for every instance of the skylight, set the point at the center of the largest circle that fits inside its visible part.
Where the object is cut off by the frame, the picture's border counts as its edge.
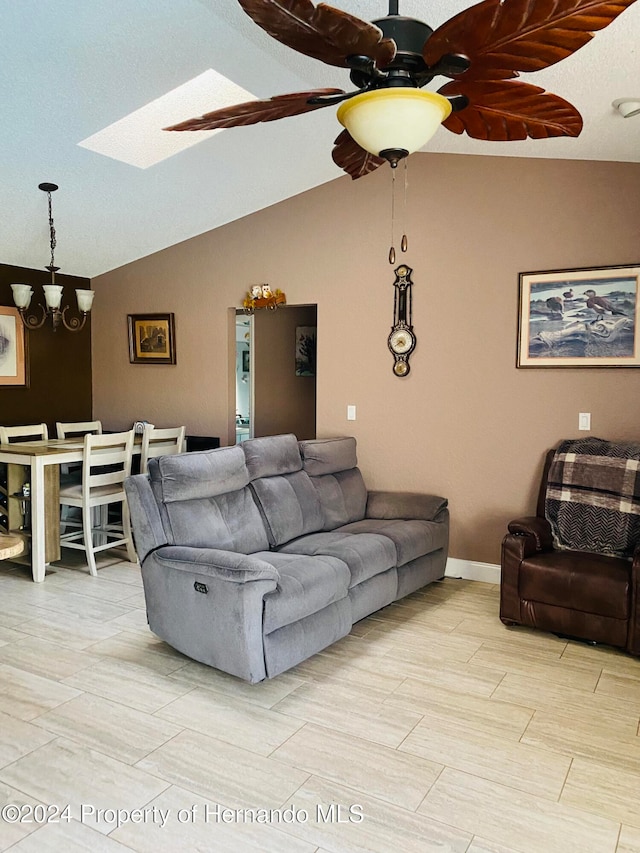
(138, 139)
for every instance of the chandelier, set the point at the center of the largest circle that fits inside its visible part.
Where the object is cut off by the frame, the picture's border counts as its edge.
(22, 293)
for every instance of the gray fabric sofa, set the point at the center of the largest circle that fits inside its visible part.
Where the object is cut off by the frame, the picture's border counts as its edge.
(257, 556)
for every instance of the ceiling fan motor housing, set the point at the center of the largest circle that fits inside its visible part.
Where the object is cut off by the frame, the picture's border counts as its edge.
(410, 36)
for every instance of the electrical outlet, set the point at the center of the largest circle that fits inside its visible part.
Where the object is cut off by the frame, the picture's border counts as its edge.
(351, 413)
(584, 420)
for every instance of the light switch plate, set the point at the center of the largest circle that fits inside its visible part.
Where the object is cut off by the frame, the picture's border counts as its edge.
(351, 413)
(584, 420)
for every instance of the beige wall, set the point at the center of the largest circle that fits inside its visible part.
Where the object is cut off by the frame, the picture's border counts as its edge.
(465, 423)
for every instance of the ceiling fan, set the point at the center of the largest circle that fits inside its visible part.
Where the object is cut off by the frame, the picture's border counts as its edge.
(481, 50)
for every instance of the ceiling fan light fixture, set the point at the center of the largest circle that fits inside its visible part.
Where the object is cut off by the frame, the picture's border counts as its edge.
(394, 120)
(627, 107)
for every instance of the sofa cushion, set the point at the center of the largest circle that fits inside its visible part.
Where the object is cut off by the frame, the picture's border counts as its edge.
(204, 501)
(289, 505)
(366, 554)
(198, 475)
(343, 497)
(271, 455)
(229, 522)
(600, 585)
(411, 538)
(328, 455)
(331, 464)
(306, 585)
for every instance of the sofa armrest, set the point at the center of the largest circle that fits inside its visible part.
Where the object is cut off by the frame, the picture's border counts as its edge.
(148, 531)
(218, 564)
(407, 505)
(208, 604)
(536, 526)
(526, 537)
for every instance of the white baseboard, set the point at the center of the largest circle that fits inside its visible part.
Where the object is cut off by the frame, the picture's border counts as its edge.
(472, 571)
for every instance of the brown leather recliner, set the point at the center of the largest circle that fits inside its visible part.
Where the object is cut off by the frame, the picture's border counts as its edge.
(574, 593)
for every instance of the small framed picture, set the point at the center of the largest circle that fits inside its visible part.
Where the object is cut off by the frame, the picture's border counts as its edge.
(246, 360)
(152, 339)
(305, 350)
(579, 318)
(13, 351)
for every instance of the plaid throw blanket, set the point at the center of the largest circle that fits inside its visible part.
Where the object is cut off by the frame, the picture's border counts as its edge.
(593, 496)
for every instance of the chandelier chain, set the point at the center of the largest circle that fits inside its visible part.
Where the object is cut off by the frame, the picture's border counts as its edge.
(52, 230)
(392, 251)
(404, 243)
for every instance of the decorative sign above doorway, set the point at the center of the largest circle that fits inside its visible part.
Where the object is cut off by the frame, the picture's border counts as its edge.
(261, 296)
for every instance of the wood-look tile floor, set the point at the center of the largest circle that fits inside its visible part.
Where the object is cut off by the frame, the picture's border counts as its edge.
(431, 727)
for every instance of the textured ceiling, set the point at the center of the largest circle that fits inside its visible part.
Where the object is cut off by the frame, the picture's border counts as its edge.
(71, 67)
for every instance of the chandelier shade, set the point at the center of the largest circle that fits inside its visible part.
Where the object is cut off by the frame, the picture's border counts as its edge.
(22, 294)
(393, 122)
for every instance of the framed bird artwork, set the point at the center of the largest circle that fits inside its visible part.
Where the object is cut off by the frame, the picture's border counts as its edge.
(579, 318)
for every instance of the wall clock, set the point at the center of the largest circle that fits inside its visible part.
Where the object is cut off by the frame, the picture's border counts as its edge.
(402, 339)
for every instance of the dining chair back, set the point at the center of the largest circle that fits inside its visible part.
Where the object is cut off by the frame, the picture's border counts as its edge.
(9, 435)
(78, 428)
(106, 462)
(160, 442)
(23, 433)
(72, 474)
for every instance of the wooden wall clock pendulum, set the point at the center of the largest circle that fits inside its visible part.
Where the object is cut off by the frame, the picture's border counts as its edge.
(402, 339)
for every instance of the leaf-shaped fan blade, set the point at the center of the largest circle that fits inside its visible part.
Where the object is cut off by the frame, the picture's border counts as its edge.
(352, 158)
(508, 110)
(502, 37)
(321, 32)
(251, 112)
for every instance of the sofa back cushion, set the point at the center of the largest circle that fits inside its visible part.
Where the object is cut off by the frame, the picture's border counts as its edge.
(287, 499)
(332, 466)
(205, 501)
(271, 456)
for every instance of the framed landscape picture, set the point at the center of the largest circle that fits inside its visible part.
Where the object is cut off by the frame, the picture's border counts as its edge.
(579, 318)
(152, 339)
(13, 353)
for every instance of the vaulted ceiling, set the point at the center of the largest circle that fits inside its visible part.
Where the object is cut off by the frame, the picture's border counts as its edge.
(69, 68)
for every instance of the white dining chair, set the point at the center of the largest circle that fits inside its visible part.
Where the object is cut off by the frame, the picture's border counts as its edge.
(106, 462)
(78, 428)
(72, 474)
(10, 435)
(23, 433)
(160, 442)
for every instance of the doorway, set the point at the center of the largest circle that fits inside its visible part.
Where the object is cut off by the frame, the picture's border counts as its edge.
(278, 394)
(244, 373)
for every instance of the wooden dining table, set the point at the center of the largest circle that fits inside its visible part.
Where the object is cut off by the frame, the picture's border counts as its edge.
(43, 459)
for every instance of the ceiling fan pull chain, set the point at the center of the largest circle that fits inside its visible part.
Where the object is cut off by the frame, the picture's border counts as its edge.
(405, 243)
(392, 251)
